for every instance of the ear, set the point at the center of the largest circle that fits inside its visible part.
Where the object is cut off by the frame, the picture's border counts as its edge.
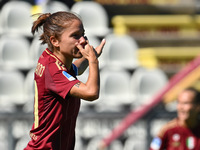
(54, 41)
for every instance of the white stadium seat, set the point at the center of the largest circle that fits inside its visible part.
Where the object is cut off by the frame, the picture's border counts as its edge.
(120, 51)
(133, 143)
(4, 142)
(11, 90)
(114, 89)
(16, 17)
(147, 82)
(94, 143)
(14, 52)
(29, 91)
(54, 6)
(156, 126)
(94, 17)
(36, 49)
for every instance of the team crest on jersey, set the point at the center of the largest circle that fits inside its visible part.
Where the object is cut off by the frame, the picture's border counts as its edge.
(176, 140)
(176, 137)
(68, 76)
(156, 143)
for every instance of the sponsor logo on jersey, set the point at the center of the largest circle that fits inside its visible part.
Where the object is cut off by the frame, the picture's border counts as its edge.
(68, 76)
(156, 143)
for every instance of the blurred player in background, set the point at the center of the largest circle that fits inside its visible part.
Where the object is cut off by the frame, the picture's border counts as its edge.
(183, 132)
(57, 90)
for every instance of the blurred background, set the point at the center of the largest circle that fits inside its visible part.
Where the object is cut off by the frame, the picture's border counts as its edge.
(148, 43)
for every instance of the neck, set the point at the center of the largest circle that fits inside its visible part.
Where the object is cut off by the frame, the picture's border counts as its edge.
(190, 122)
(67, 61)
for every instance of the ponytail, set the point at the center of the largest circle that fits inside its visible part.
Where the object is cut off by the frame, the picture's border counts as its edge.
(39, 22)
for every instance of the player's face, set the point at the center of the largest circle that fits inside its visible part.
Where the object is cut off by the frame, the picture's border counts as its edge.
(185, 106)
(72, 35)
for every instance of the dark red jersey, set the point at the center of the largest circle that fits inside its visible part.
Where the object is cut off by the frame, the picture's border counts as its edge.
(55, 112)
(176, 137)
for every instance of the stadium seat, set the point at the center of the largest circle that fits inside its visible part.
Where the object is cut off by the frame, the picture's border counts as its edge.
(14, 52)
(116, 145)
(29, 91)
(22, 142)
(120, 51)
(93, 40)
(83, 77)
(20, 128)
(94, 143)
(54, 6)
(4, 142)
(79, 143)
(138, 129)
(85, 104)
(94, 17)
(114, 90)
(146, 82)
(16, 17)
(1, 25)
(36, 49)
(88, 128)
(11, 90)
(156, 125)
(133, 143)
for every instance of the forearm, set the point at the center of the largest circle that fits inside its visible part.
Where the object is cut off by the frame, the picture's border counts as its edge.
(93, 82)
(90, 90)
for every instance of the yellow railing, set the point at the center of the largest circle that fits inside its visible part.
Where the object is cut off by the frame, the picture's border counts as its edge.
(151, 2)
(180, 25)
(156, 56)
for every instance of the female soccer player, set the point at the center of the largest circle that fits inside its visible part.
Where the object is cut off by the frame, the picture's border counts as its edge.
(57, 90)
(182, 133)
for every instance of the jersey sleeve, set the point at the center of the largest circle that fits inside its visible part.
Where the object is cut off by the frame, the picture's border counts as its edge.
(59, 81)
(75, 69)
(159, 142)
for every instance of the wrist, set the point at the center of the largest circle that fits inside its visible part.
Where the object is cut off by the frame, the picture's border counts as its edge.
(95, 61)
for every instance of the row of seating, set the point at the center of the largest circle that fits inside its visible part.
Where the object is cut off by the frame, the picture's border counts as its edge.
(89, 133)
(16, 16)
(118, 88)
(18, 52)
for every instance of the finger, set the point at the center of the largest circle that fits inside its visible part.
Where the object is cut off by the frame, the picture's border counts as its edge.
(86, 39)
(102, 44)
(79, 47)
